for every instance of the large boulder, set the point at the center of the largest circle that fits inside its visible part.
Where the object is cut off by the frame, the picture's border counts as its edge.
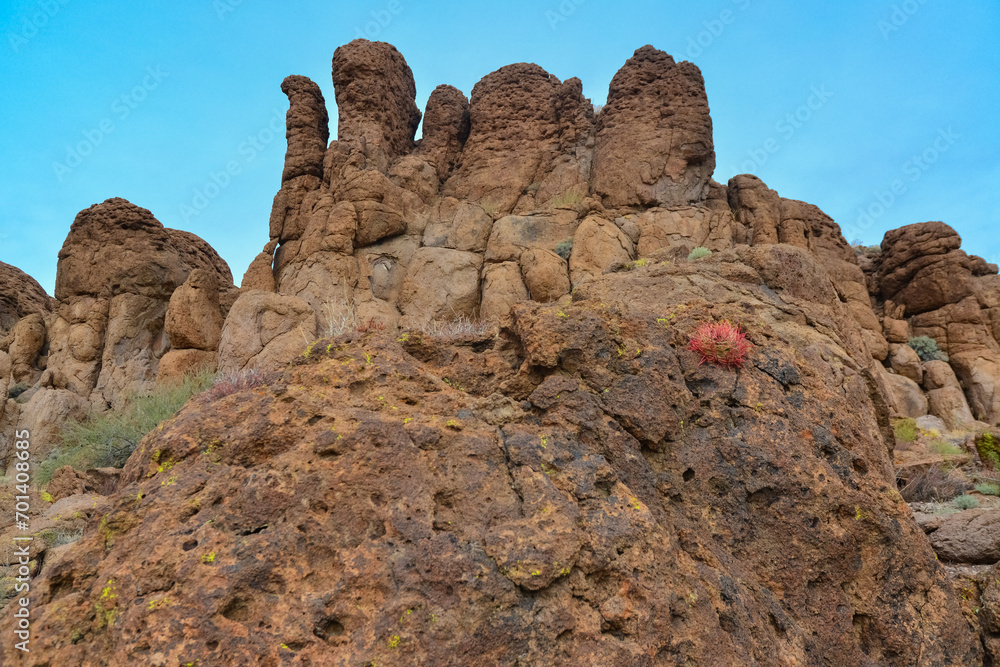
(654, 135)
(375, 98)
(119, 248)
(528, 141)
(265, 330)
(440, 285)
(905, 396)
(20, 296)
(945, 397)
(972, 536)
(922, 268)
(194, 319)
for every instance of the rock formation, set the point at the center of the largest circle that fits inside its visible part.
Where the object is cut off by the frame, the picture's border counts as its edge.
(574, 487)
(20, 296)
(110, 332)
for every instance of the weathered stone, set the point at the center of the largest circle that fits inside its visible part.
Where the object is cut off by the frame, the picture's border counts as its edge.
(654, 135)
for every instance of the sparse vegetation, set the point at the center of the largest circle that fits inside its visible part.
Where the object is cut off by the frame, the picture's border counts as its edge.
(988, 488)
(490, 207)
(934, 483)
(988, 447)
(225, 384)
(721, 343)
(338, 317)
(944, 448)
(927, 349)
(905, 429)
(698, 253)
(565, 249)
(108, 439)
(460, 327)
(568, 199)
(965, 502)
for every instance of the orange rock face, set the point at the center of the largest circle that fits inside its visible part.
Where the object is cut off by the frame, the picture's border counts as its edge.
(579, 490)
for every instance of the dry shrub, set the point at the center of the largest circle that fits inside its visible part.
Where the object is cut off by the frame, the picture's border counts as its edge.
(460, 327)
(235, 382)
(931, 484)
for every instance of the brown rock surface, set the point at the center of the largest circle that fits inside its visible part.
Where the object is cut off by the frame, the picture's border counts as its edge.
(446, 129)
(904, 360)
(27, 340)
(598, 244)
(375, 97)
(265, 329)
(528, 138)
(119, 248)
(945, 397)
(20, 296)
(922, 268)
(905, 396)
(307, 132)
(756, 207)
(970, 536)
(194, 319)
(557, 501)
(654, 135)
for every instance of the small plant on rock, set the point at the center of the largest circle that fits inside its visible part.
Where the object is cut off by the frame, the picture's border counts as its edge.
(988, 488)
(965, 502)
(905, 429)
(565, 249)
(698, 253)
(232, 383)
(721, 343)
(927, 349)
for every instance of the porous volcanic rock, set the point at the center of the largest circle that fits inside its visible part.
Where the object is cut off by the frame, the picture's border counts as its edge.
(117, 248)
(375, 97)
(523, 120)
(446, 129)
(307, 132)
(922, 268)
(580, 491)
(20, 296)
(654, 135)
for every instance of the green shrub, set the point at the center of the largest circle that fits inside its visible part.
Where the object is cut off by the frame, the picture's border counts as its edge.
(944, 448)
(927, 349)
(988, 447)
(905, 429)
(568, 199)
(698, 253)
(18, 389)
(565, 249)
(988, 489)
(108, 439)
(965, 502)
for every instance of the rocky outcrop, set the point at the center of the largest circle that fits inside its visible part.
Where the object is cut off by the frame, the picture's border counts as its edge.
(528, 141)
(446, 129)
(653, 142)
(931, 287)
(20, 296)
(375, 98)
(580, 490)
(307, 132)
(109, 329)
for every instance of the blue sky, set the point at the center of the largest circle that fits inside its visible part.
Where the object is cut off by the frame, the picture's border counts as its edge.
(882, 112)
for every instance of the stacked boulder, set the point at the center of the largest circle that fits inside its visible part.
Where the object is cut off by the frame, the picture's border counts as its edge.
(925, 285)
(109, 332)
